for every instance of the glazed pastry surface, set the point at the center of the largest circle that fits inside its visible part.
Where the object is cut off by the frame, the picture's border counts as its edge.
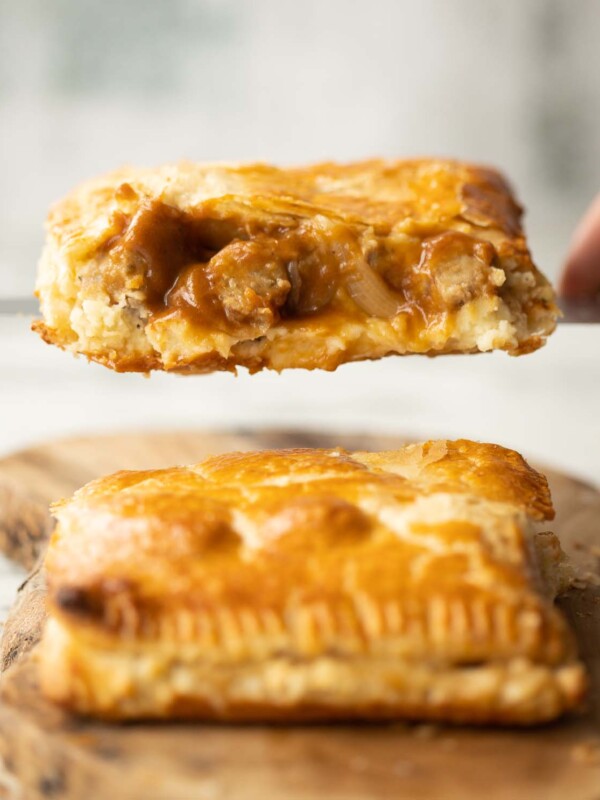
(312, 584)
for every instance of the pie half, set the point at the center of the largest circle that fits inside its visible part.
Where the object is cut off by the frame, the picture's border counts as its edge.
(312, 584)
(201, 267)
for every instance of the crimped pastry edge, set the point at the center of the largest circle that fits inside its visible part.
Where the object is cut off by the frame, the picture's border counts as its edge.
(137, 683)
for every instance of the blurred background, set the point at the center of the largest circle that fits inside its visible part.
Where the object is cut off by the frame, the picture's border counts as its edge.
(86, 86)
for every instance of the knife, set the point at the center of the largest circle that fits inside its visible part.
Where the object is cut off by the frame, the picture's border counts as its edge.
(19, 306)
(575, 312)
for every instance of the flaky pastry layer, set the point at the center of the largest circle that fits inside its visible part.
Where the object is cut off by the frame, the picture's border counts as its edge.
(312, 584)
(200, 267)
(180, 683)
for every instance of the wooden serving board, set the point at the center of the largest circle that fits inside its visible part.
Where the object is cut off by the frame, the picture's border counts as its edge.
(53, 755)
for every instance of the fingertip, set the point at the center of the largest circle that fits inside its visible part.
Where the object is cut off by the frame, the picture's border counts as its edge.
(581, 274)
(573, 285)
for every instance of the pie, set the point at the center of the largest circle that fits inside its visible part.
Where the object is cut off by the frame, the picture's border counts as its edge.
(312, 585)
(202, 267)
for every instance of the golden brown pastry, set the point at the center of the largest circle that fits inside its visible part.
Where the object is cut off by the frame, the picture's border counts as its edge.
(200, 267)
(312, 584)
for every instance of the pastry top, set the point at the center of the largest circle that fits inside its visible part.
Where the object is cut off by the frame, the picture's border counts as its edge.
(425, 553)
(194, 267)
(391, 196)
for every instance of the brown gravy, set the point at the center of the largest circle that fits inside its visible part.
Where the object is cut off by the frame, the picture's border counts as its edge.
(240, 276)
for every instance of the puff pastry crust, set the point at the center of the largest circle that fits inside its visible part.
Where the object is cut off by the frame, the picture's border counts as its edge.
(312, 584)
(201, 267)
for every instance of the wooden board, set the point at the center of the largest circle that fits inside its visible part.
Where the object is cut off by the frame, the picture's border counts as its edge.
(57, 756)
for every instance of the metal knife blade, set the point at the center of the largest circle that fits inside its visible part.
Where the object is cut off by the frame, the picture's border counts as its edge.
(19, 306)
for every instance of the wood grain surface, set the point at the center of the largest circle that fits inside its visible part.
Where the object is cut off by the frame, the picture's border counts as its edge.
(53, 755)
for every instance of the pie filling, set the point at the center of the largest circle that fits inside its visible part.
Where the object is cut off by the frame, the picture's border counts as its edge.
(242, 273)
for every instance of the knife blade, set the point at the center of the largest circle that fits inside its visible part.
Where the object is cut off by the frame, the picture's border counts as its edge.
(584, 311)
(19, 306)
